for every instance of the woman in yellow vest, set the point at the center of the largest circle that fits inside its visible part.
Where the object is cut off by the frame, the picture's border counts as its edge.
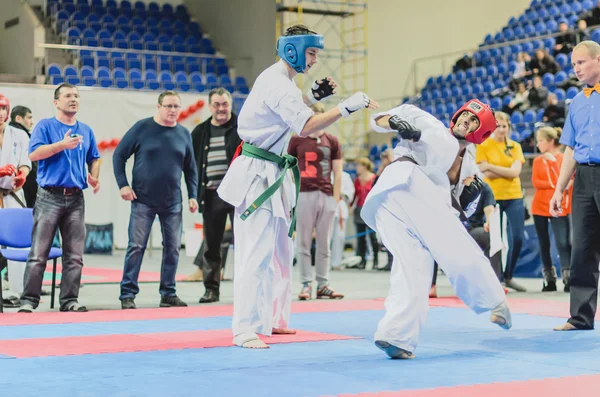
(500, 159)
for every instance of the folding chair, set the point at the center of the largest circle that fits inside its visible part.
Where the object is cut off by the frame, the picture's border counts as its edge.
(15, 232)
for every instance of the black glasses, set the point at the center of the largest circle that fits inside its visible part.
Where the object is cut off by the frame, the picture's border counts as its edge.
(176, 107)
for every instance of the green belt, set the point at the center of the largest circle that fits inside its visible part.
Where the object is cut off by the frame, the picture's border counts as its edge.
(285, 162)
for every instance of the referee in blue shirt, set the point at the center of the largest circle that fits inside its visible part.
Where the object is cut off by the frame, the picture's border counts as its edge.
(63, 146)
(581, 136)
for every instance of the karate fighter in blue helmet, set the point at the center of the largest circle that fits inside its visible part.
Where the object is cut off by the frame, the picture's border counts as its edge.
(263, 183)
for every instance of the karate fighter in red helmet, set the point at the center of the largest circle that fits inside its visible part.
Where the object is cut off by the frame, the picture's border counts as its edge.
(416, 207)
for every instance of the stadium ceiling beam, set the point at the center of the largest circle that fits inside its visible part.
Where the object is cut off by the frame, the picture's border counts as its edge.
(304, 10)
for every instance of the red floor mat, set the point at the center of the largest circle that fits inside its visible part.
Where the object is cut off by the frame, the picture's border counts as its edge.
(100, 275)
(517, 305)
(557, 387)
(79, 345)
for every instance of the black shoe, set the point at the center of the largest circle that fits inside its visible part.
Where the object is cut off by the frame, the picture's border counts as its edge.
(11, 303)
(172, 301)
(386, 268)
(568, 287)
(128, 303)
(209, 297)
(550, 287)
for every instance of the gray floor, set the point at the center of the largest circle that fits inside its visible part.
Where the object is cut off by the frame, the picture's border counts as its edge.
(355, 284)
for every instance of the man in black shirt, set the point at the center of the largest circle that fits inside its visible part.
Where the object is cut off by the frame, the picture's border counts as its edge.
(479, 227)
(163, 151)
(215, 142)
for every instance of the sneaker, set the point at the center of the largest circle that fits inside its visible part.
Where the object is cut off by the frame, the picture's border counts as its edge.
(26, 308)
(326, 292)
(74, 307)
(306, 293)
(12, 302)
(550, 286)
(128, 303)
(172, 301)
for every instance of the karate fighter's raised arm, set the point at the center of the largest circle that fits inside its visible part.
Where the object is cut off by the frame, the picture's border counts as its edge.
(319, 122)
(406, 120)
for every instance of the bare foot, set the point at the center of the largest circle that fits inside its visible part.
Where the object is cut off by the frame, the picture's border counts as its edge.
(283, 331)
(433, 292)
(501, 321)
(565, 327)
(255, 344)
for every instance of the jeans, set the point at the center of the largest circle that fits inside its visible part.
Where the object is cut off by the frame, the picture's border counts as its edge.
(54, 211)
(140, 224)
(514, 210)
(562, 238)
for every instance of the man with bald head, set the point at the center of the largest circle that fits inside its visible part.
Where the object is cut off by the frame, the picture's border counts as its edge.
(582, 157)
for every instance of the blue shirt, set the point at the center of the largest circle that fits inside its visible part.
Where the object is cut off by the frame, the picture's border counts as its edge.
(162, 154)
(66, 168)
(582, 128)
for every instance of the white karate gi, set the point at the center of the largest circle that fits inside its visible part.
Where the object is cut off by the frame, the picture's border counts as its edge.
(263, 251)
(410, 208)
(15, 151)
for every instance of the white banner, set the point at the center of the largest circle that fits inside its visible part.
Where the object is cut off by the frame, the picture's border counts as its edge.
(110, 113)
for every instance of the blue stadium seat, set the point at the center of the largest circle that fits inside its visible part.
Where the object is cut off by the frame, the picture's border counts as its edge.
(70, 70)
(516, 118)
(571, 92)
(548, 79)
(529, 116)
(539, 115)
(105, 82)
(496, 103)
(560, 94)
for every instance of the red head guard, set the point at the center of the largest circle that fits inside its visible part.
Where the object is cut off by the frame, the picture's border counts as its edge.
(4, 102)
(485, 115)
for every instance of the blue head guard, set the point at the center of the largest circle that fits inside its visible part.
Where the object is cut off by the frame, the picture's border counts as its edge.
(292, 49)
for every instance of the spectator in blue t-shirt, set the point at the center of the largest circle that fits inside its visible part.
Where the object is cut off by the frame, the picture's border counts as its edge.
(163, 151)
(63, 146)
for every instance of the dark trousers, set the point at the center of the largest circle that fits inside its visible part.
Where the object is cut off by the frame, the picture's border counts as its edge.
(215, 216)
(140, 224)
(54, 211)
(562, 238)
(514, 210)
(585, 253)
(363, 231)
(482, 238)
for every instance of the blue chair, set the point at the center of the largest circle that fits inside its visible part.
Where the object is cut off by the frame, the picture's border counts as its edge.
(571, 92)
(17, 225)
(516, 118)
(529, 116)
(561, 95)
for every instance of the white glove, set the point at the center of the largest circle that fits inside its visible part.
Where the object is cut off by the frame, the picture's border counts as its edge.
(356, 102)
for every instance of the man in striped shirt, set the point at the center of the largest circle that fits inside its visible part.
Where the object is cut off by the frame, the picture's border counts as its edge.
(214, 142)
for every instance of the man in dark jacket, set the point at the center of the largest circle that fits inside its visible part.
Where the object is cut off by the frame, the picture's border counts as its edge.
(21, 118)
(215, 142)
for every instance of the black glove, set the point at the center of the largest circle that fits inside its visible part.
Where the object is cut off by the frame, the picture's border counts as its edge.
(321, 90)
(471, 192)
(405, 129)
